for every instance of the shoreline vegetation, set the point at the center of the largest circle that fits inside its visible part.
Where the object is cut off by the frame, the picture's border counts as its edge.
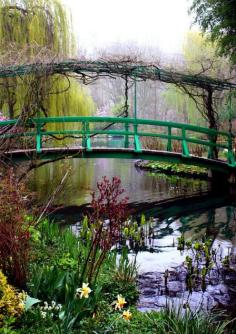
(173, 169)
(84, 282)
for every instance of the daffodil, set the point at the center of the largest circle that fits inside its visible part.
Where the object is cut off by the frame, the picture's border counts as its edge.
(84, 291)
(127, 315)
(120, 302)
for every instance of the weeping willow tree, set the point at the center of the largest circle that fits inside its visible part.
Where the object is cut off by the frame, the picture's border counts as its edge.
(200, 105)
(184, 107)
(36, 31)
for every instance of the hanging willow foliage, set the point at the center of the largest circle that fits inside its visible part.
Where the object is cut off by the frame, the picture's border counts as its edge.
(38, 31)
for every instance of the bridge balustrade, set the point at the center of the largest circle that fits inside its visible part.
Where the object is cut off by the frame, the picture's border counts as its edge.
(130, 129)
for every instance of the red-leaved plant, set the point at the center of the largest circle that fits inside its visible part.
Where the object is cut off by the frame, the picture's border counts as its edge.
(109, 212)
(109, 209)
(14, 230)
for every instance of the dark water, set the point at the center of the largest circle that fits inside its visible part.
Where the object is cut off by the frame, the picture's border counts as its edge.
(206, 213)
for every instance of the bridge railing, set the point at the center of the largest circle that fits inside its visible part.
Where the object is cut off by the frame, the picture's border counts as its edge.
(130, 128)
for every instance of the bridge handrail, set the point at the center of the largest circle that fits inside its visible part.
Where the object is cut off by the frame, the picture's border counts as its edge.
(86, 132)
(97, 119)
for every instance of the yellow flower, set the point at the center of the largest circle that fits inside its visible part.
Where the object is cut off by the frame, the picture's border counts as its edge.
(84, 291)
(119, 304)
(127, 315)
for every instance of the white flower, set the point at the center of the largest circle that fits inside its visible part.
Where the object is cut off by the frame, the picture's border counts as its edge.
(58, 307)
(84, 291)
(43, 314)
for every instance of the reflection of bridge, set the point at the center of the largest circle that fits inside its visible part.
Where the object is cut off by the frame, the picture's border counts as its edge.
(177, 207)
(85, 129)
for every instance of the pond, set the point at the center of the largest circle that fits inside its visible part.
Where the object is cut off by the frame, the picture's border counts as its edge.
(177, 204)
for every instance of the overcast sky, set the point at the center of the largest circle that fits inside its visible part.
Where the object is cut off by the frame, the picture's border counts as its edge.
(159, 23)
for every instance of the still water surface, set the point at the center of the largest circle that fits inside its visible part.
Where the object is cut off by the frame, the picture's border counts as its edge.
(214, 216)
(139, 186)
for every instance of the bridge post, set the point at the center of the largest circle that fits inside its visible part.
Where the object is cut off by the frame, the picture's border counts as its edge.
(88, 139)
(38, 138)
(83, 134)
(169, 143)
(86, 142)
(185, 150)
(137, 145)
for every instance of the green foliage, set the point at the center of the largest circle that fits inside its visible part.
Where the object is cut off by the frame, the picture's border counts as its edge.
(33, 323)
(183, 105)
(126, 270)
(52, 284)
(113, 287)
(170, 321)
(38, 31)
(202, 260)
(58, 278)
(118, 107)
(218, 17)
(42, 22)
(176, 168)
(199, 58)
(180, 321)
(55, 275)
(119, 278)
(7, 326)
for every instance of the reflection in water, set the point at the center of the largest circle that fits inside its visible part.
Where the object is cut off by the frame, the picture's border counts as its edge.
(140, 186)
(217, 222)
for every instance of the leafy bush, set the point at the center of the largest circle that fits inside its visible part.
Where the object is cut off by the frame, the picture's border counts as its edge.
(11, 301)
(109, 212)
(14, 230)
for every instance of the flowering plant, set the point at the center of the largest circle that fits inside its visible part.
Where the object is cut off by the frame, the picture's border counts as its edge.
(120, 302)
(2, 117)
(109, 212)
(84, 291)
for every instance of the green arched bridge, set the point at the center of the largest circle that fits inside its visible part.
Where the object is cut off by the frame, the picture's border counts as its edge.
(37, 139)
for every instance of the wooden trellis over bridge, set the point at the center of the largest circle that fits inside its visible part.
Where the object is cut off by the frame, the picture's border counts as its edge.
(132, 129)
(91, 70)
